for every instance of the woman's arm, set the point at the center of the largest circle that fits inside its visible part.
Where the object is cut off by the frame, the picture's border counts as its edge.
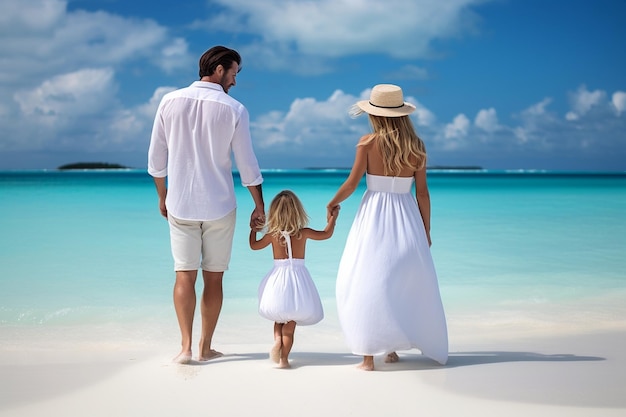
(356, 174)
(423, 199)
(328, 231)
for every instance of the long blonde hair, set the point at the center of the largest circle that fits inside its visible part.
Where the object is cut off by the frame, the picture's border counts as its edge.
(398, 143)
(286, 214)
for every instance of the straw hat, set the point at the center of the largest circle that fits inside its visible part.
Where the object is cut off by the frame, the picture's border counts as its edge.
(386, 100)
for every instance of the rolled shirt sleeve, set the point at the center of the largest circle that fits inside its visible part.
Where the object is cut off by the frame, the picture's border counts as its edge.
(245, 158)
(157, 152)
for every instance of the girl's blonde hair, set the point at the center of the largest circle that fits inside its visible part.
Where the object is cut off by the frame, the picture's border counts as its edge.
(398, 143)
(286, 215)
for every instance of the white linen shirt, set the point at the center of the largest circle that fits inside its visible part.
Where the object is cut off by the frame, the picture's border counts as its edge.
(196, 129)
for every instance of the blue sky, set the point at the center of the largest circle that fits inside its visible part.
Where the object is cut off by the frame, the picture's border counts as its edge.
(502, 84)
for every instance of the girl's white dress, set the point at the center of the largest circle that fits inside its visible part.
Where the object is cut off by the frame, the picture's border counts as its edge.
(288, 292)
(387, 292)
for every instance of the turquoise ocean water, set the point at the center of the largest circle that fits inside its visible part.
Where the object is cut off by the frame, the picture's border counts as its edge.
(90, 248)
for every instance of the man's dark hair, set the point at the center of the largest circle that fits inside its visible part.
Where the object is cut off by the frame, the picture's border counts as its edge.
(218, 55)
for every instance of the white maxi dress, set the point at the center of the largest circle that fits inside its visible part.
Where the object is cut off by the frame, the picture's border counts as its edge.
(387, 292)
(288, 293)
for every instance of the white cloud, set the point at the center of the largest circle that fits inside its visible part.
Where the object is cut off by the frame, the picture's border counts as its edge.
(132, 126)
(521, 134)
(423, 116)
(571, 116)
(590, 127)
(149, 109)
(336, 28)
(487, 120)
(582, 101)
(57, 41)
(68, 111)
(321, 129)
(458, 128)
(535, 121)
(17, 17)
(538, 109)
(308, 124)
(75, 58)
(174, 56)
(282, 58)
(333, 109)
(69, 95)
(619, 102)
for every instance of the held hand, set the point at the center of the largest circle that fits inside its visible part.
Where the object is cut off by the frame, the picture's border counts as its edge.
(332, 211)
(257, 219)
(258, 225)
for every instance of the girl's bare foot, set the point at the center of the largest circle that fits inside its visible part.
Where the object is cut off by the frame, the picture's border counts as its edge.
(283, 364)
(367, 364)
(392, 358)
(275, 351)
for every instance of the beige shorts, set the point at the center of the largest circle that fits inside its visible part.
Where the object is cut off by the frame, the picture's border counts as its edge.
(202, 244)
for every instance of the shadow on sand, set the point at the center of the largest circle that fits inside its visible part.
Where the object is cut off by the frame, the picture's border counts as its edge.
(408, 361)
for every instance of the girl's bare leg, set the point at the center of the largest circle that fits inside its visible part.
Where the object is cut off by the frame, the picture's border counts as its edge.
(392, 358)
(278, 343)
(288, 331)
(367, 364)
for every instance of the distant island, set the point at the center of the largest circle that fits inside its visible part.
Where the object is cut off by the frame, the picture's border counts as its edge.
(91, 165)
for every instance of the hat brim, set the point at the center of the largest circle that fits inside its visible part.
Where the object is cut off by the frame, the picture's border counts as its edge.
(367, 107)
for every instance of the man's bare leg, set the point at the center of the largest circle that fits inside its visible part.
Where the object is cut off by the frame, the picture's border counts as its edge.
(185, 306)
(288, 331)
(367, 364)
(212, 297)
(278, 343)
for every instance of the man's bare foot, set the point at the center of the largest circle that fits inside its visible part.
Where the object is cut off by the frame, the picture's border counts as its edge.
(392, 358)
(183, 358)
(367, 364)
(275, 352)
(283, 364)
(213, 354)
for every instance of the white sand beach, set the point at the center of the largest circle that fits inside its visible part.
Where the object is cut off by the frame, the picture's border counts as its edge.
(492, 371)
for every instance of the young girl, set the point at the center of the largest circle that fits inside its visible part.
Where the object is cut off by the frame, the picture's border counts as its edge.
(287, 294)
(387, 292)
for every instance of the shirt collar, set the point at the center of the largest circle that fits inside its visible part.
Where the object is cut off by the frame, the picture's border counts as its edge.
(207, 84)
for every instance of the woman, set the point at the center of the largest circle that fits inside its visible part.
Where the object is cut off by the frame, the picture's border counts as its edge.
(387, 292)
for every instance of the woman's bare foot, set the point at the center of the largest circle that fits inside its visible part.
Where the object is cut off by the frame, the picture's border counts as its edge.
(183, 358)
(275, 352)
(392, 358)
(283, 364)
(367, 364)
(213, 354)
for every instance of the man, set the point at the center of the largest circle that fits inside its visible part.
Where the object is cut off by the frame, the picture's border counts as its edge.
(196, 129)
